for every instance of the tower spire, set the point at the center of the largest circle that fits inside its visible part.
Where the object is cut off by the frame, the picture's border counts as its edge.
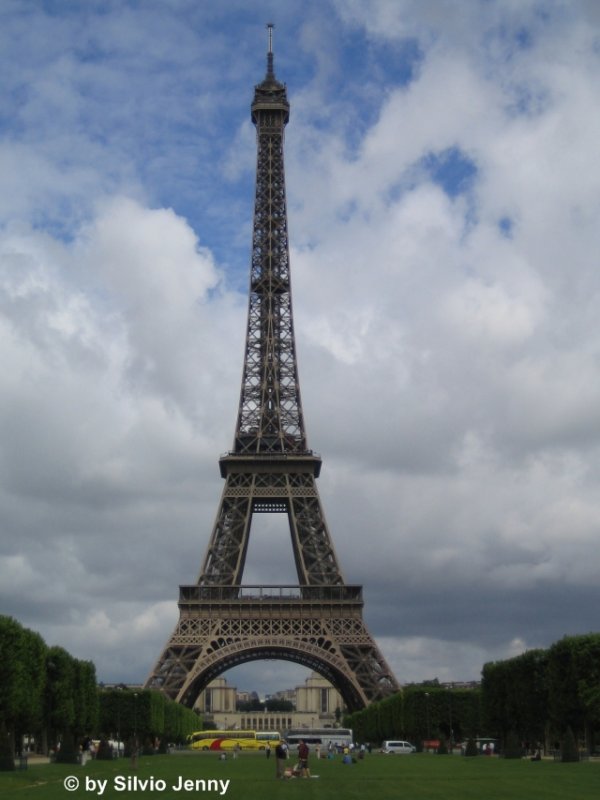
(270, 69)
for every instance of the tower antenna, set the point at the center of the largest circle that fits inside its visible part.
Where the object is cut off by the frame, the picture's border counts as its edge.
(270, 70)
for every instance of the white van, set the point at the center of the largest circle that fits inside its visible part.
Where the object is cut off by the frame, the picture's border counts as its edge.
(396, 746)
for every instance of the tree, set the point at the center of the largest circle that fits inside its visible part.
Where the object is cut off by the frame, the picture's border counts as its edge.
(569, 751)
(22, 679)
(86, 698)
(68, 753)
(515, 696)
(13, 680)
(544, 692)
(34, 654)
(123, 713)
(574, 681)
(60, 693)
(471, 748)
(145, 715)
(254, 704)
(419, 712)
(7, 761)
(276, 704)
(513, 747)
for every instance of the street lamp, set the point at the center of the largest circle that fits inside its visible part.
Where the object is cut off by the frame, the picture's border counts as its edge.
(134, 744)
(450, 721)
(118, 721)
(51, 674)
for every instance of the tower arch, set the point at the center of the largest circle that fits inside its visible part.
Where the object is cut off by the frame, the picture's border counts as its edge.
(236, 654)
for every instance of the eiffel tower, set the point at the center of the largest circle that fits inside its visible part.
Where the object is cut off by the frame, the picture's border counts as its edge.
(270, 469)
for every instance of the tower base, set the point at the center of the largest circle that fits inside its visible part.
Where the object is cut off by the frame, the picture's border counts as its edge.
(320, 627)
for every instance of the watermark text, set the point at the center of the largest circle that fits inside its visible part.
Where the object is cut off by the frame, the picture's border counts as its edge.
(133, 783)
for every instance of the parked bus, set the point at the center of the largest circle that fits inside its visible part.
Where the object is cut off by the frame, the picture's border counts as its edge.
(227, 740)
(337, 737)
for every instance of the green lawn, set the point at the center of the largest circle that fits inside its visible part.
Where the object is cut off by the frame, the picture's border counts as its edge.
(252, 777)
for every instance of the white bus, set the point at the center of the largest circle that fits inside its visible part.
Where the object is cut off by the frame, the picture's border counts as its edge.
(337, 737)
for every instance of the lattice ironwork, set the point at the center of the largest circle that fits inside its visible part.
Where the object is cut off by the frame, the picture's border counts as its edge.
(270, 417)
(319, 626)
(271, 470)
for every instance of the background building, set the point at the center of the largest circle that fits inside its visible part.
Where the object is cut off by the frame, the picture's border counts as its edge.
(317, 704)
(217, 697)
(318, 696)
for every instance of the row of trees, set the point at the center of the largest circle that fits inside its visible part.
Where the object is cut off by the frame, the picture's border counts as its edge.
(419, 713)
(541, 695)
(146, 716)
(44, 691)
(47, 696)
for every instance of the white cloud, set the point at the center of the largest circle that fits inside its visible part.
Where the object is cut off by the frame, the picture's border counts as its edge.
(90, 439)
(489, 312)
(448, 341)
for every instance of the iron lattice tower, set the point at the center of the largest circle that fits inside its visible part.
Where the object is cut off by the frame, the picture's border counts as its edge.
(270, 469)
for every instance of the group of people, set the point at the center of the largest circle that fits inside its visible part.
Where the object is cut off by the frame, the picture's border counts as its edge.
(281, 756)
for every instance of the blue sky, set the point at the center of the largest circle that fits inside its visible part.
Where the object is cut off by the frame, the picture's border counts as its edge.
(443, 191)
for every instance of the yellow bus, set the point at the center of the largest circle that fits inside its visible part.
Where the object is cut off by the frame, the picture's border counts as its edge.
(227, 740)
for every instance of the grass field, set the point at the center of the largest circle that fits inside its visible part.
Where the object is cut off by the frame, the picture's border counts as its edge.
(252, 777)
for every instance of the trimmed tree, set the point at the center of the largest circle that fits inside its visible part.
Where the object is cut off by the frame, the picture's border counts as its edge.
(68, 753)
(513, 748)
(471, 748)
(7, 762)
(569, 751)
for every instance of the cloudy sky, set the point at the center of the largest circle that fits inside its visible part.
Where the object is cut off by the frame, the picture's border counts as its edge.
(443, 176)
